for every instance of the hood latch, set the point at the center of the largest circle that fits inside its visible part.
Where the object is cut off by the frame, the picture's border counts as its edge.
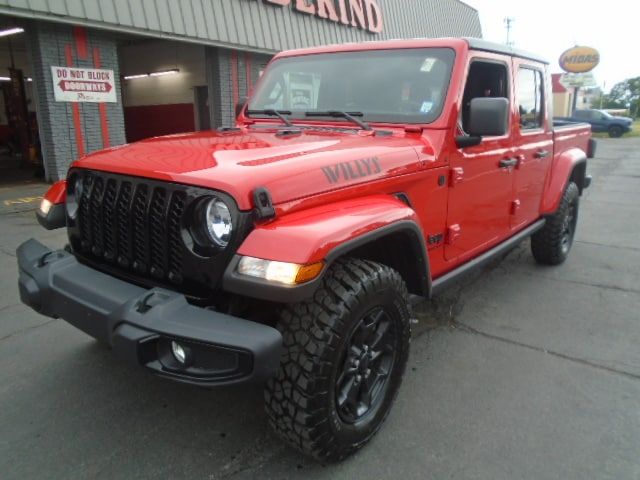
(263, 204)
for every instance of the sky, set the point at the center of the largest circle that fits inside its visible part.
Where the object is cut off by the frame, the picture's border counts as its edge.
(551, 27)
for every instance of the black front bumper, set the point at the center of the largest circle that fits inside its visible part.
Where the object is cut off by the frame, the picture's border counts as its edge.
(140, 324)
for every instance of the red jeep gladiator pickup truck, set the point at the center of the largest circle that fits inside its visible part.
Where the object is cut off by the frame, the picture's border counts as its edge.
(284, 249)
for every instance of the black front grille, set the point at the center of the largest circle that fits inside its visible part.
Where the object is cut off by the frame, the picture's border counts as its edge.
(140, 228)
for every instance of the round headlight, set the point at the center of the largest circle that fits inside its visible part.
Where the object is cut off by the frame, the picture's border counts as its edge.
(218, 221)
(74, 192)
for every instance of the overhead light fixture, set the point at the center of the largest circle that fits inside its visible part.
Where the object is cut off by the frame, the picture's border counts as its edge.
(164, 72)
(160, 73)
(8, 79)
(133, 77)
(11, 31)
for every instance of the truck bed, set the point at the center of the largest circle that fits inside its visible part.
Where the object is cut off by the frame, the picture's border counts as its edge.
(568, 135)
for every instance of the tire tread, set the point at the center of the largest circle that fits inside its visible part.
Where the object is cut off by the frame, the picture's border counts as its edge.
(295, 398)
(546, 243)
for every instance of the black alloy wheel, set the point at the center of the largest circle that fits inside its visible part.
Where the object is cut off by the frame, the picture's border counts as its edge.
(368, 361)
(569, 228)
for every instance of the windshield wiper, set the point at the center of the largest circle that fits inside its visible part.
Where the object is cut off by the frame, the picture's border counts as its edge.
(351, 116)
(273, 113)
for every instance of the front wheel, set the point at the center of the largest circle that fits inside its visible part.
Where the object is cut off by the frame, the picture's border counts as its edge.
(345, 354)
(551, 244)
(615, 131)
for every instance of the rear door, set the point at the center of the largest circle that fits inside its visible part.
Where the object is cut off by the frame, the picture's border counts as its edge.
(599, 122)
(480, 191)
(533, 140)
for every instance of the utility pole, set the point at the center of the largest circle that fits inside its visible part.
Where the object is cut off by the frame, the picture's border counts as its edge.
(508, 21)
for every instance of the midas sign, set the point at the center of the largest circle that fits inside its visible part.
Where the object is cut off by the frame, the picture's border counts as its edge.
(364, 14)
(579, 59)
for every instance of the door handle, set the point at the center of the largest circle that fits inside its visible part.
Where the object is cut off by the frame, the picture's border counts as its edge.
(509, 162)
(542, 154)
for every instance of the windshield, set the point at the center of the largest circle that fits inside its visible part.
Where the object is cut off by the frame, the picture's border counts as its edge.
(389, 86)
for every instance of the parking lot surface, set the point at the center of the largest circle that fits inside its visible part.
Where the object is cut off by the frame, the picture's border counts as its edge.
(522, 371)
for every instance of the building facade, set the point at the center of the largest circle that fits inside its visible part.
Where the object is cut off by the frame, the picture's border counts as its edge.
(181, 65)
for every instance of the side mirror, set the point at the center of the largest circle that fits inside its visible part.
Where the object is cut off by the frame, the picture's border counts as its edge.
(465, 141)
(240, 105)
(488, 117)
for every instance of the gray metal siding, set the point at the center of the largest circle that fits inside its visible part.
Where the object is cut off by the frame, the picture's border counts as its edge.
(251, 23)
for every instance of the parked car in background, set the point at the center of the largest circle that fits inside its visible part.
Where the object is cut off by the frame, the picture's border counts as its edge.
(602, 121)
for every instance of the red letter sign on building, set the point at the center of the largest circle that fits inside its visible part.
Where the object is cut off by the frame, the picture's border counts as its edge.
(364, 14)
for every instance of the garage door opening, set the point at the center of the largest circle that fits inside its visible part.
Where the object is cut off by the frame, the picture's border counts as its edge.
(163, 88)
(20, 156)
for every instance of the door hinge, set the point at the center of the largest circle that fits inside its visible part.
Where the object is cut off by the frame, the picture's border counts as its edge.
(453, 234)
(455, 176)
(515, 206)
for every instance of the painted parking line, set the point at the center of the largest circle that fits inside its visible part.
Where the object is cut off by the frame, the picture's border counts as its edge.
(22, 200)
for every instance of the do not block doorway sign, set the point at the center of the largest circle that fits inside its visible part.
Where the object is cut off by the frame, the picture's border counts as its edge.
(72, 84)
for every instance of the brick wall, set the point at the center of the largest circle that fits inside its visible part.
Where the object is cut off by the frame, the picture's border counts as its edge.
(58, 134)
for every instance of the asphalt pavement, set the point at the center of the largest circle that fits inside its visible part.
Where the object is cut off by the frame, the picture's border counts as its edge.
(521, 371)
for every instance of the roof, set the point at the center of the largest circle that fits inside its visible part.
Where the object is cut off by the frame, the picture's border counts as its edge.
(376, 45)
(471, 43)
(480, 44)
(557, 86)
(265, 27)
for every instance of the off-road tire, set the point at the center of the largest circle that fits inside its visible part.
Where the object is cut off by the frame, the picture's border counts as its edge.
(551, 244)
(302, 400)
(615, 131)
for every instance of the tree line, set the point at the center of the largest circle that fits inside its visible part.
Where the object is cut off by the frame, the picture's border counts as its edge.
(625, 95)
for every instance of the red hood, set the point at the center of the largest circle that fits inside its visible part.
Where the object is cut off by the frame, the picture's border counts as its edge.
(290, 167)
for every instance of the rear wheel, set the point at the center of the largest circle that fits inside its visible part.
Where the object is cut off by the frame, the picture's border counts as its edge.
(346, 352)
(615, 131)
(551, 244)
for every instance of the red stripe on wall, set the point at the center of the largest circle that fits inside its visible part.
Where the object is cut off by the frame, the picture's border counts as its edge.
(234, 78)
(146, 121)
(80, 36)
(247, 68)
(75, 107)
(102, 108)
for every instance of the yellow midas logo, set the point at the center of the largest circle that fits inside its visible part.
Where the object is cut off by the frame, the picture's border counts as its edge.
(579, 59)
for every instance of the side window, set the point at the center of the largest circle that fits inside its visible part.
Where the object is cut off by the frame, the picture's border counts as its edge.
(530, 98)
(581, 114)
(485, 79)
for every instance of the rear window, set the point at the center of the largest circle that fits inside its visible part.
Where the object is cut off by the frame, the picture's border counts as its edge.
(530, 99)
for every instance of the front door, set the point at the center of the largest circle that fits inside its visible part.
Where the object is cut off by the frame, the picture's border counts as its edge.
(598, 121)
(481, 189)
